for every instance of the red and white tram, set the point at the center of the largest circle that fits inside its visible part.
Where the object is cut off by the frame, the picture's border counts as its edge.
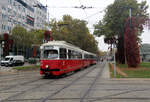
(60, 57)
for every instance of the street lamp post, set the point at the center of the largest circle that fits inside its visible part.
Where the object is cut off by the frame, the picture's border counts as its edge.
(112, 41)
(115, 73)
(1, 49)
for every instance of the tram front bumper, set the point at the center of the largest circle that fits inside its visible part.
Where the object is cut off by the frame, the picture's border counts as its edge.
(49, 69)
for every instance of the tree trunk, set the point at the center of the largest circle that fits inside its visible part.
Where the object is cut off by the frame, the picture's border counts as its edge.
(121, 53)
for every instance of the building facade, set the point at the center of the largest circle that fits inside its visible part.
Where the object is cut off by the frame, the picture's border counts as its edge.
(145, 52)
(30, 14)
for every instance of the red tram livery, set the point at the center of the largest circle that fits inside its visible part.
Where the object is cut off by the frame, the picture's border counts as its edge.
(60, 57)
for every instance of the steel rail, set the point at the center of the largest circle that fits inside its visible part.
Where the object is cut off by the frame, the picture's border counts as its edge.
(66, 86)
(121, 93)
(49, 82)
(16, 78)
(22, 92)
(92, 84)
(24, 83)
(15, 75)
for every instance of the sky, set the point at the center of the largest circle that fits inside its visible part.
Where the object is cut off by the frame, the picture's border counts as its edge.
(58, 8)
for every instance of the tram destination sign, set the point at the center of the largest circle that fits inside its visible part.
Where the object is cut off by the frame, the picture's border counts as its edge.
(48, 47)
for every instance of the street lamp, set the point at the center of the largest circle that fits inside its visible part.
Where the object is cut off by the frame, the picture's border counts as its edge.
(1, 49)
(113, 41)
(114, 46)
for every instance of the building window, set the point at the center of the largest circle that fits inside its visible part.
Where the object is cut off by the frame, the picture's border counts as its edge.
(19, 15)
(14, 3)
(15, 13)
(9, 28)
(19, 7)
(3, 16)
(10, 1)
(9, 10)
(9, 19)
(3, 8)
(23, 17)
(14, 21)
(3, 27)
(23, 9)
(30, 20)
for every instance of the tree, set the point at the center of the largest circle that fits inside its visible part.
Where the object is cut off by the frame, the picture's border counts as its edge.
(19, 36)
(36, 36)
(74, 31)
(113, 23)
(24, 40)
(131, 44)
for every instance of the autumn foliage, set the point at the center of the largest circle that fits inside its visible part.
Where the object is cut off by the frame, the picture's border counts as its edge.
(47, 36)
(8, 44)
(131, 44)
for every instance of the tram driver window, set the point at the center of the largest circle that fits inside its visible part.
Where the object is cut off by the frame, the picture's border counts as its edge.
(51, 54)
(63, 53)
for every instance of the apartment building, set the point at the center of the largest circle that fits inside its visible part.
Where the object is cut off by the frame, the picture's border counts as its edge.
(30, 14)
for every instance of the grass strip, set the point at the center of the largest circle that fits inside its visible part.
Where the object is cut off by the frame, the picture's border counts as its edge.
(31, 67)
(142, 71)
(138, 73)
(112, 73)
(145, 64)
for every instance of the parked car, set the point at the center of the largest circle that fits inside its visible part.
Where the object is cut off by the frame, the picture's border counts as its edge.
(13, 60)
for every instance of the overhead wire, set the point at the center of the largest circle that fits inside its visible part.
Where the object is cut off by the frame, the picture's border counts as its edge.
(79, 7)
(83, 9)
(94, 14)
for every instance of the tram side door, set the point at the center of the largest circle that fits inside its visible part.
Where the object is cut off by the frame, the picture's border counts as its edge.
(63, 57)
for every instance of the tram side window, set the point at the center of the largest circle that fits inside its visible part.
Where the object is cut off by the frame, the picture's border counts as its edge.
(63, 53)
(91, 56)
(86, 56)
(73, 54)
(79, 55)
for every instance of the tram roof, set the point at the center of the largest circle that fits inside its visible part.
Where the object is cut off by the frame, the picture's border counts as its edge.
(62, 43)
(66, 45)
(89, 53)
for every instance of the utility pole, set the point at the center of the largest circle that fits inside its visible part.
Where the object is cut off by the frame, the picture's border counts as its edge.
(130, 13)
(130, 16)
(115, 73)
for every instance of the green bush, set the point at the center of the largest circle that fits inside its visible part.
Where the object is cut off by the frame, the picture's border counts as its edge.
(32, 61)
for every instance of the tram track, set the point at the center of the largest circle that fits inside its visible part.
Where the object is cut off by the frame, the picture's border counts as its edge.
(16, 78)
(66, 86)
(24, 83)
(18, 74)
(33, 88)
(120, 93)
(20, 93)
(88, 86)
(92, 84)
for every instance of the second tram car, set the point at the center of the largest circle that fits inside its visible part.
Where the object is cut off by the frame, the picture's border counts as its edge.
(60, 57)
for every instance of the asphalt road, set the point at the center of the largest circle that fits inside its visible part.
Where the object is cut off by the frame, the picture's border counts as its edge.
(86, 85)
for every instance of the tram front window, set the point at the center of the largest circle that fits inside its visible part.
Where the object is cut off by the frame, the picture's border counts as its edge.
(51, 54)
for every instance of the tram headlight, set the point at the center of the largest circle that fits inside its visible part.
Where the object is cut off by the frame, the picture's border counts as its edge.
(46, 66)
